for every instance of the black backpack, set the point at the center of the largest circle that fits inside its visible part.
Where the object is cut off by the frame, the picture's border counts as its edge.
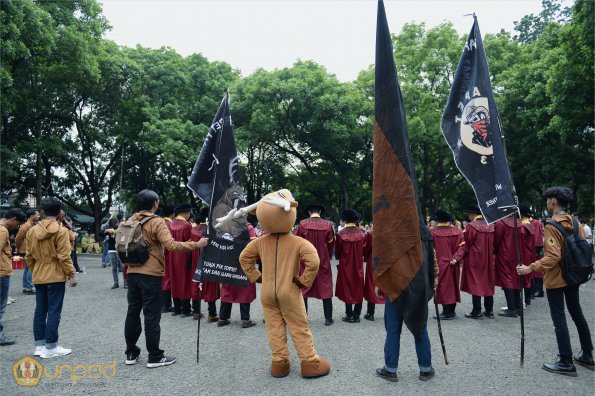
(578, 254)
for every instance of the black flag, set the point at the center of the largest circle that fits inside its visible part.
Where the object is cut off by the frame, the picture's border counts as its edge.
(216, 180)
(471, 127)
(402, 244)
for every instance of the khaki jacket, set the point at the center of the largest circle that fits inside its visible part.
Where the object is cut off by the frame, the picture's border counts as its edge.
(553, 245)
(157, 237)
(20, 240)
(5, 253)
(48, 253)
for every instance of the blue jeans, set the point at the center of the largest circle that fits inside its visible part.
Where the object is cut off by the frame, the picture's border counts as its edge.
(4, 285)
(393, 323)
(49, 298)
(104, 253)
(116, 265)
(27, 283)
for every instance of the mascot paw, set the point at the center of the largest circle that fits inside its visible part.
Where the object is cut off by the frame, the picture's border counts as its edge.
(280, 369)
(316, 369)
(297, 281)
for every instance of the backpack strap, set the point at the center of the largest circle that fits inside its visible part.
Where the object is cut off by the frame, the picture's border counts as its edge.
(575, 224)
(143, 221)
(559, 227)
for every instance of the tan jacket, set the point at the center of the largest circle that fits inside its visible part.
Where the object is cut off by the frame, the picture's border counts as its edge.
(20, 240)
(5, 253)
(48, 253)
(553, 244)
(157, 237)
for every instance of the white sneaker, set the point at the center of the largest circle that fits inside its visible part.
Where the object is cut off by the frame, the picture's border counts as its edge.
(54, 352)
(38, 350)
(10, 301)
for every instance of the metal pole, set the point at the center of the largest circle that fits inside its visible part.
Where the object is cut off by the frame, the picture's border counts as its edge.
(440, 331)
(518, 250)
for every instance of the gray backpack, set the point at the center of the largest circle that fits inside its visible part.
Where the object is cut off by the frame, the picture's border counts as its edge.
(130, 243)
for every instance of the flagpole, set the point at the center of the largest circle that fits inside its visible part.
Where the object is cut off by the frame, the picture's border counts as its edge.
(199, 316)
(440, 331)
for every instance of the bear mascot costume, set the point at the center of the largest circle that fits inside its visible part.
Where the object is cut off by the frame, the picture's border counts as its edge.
(283, 305)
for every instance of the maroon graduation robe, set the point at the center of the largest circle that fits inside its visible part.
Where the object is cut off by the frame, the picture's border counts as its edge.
(477, 278)
(165, 282)
(369, 286)
(321, 234)
(506, 253)
(180, 263)
(538, 235)
(448, 244)
(349, 250)
(210, 290)
(527, 250)
(237, 294)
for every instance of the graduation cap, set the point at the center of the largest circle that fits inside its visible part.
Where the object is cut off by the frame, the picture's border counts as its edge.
(472, 209)
(442, 216)
(181, 208)
(350, 216)
(315, 208)
(525, 211)
(203, 214)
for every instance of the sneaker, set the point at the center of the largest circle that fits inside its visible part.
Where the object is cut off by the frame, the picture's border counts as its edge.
(328, 322)
(223, 322)
(7, 341)
(248, 323)
(38, 350)
(54, 352)
(132, 358)
(369, 317)
(387, 375)
(115, 286)
(426, 375)
(162, 361)
(29, 292)
(10, 301)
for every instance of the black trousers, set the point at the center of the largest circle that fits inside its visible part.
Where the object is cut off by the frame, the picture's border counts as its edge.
(354, 310)
(513, 299)
(555, 298)
(166, 299)
(527, 292)
(371, 308)
(488, 303)
(225, 311)
(327, 306)
(449, 309)
(144, 294)
(211, 307)
(537, 284)
(181, 305)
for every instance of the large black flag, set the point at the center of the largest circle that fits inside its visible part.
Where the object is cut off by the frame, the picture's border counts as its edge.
(402, 245)
(471, 126)
(216, 180)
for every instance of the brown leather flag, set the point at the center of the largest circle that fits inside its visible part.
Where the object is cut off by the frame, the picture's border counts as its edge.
(402, 244)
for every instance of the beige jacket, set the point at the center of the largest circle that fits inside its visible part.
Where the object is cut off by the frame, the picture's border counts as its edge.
(20, 240)
(5, 253)
(553, 244)
(157, 237)
(48, 253)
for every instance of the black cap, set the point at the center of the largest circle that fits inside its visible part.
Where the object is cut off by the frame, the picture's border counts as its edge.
(181, 208)
(525, 211)
(350, 216)
(442, 215)
(472, 209)
(203, 214)
(315, 207)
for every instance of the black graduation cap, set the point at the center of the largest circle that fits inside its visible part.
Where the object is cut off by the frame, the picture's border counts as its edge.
(442, 216)
(472, 209)
(316, 207)
(525, 211)
(203, 214)
(181, 208)
(350, 216)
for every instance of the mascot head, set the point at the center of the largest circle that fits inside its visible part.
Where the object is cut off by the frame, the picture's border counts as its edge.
(276, 212)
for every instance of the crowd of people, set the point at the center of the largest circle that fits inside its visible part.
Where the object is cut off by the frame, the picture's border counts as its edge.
(473, 257)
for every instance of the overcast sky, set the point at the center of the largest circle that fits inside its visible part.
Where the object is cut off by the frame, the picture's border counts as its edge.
(339, 34)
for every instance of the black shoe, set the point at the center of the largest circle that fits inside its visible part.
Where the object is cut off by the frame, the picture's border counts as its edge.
(508, 314)
(474, 315)
(328, 322)
(162, 361)
(348, 319)
(562, 366)
(446, 316)
(125, 285)
(538, 294)
(132, 358)
(223, 322)
(115, 286)
(166, 309)
(30, 292)
(489, 315)
(185, 314)
(175, 313)
(7, 342)
(356, 319)
(427, 375)
(369, 317)
(584, 360)
(387, 375)
(248, 323)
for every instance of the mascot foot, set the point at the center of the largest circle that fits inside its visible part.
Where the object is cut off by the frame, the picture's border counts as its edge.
(316, 369)
(280, 369)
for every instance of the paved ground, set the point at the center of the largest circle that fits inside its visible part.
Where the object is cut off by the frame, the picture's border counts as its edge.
(484, 355)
